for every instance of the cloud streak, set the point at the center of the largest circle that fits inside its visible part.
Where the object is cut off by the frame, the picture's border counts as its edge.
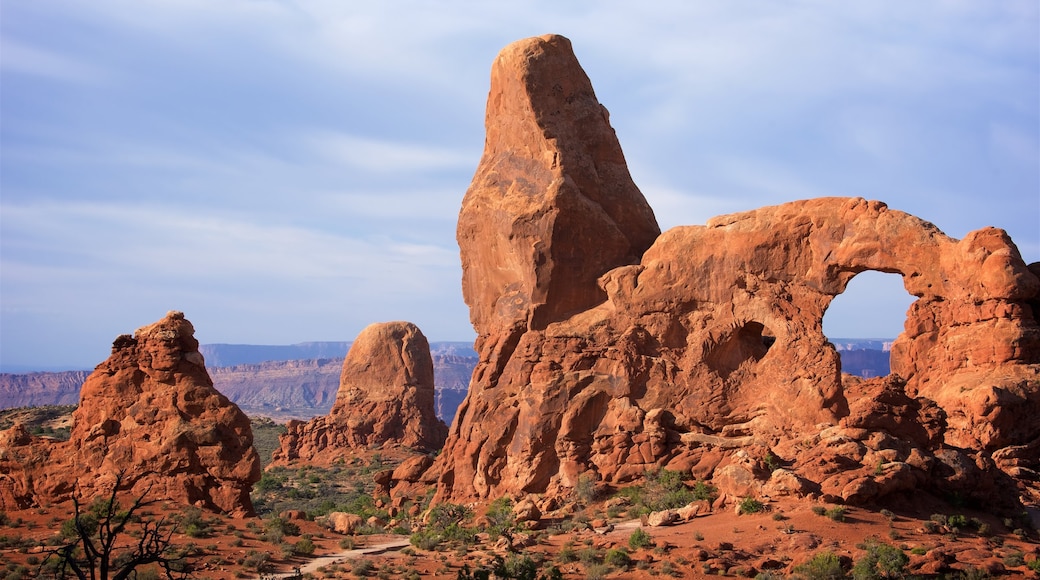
(292, 170)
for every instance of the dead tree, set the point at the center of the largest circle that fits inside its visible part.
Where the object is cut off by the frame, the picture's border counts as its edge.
(100, 547)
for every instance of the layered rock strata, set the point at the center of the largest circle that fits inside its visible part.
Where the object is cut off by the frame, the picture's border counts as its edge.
(386, 395)
(150, 412)
(607, 349)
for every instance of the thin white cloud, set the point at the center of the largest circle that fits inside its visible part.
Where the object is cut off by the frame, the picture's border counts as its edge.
(423, 204)
(22, 58)
(377, 155)
(172, 241)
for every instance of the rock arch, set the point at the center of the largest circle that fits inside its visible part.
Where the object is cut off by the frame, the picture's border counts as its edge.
(652, 352)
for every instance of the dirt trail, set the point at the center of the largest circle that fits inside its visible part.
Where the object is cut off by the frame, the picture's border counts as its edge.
(395, 544)
(390, 545)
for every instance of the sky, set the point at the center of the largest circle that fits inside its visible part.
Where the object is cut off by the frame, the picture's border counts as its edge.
(291, 171)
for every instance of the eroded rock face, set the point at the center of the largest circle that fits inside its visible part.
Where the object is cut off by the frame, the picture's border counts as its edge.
(151, 412)
(607, 349)
(386, 395)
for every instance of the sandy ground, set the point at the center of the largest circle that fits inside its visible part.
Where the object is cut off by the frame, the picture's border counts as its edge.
(777, 540)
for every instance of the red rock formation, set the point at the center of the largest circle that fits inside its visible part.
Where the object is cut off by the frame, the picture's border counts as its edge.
(606, 350)
(150, 411)
(386, 394)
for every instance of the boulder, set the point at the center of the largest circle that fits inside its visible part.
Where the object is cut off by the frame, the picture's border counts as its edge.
(344, 523)
(150, 415)
(386, 395)
(662, 518)
(526, 510)
(607, 348)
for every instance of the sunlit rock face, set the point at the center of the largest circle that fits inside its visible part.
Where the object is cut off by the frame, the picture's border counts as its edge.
(150, 412)
(607, 348)
(386, 396)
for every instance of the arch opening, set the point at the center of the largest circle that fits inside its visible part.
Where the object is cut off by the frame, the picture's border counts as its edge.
(864, 320)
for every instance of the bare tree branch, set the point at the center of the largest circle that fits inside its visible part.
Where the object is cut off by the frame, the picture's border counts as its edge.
(98, 550)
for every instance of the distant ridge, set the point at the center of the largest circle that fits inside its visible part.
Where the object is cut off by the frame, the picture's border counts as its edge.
(229, 355)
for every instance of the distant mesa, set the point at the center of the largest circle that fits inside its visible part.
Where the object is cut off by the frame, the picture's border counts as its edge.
(151, 412)
(608, 348)
(386, 396)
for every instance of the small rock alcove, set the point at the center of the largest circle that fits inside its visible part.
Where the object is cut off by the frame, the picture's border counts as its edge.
(743, 348)
(873, 306)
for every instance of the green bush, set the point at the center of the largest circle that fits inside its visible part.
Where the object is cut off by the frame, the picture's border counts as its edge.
(618, 558)
(823, 566)
(258, 561)
(836, 513)
(282, 526)
(446, 524)
(880, 561)
(590, 556)
(426, 540)
(597, 571)
(665, 489)
(304, 547)
(500, 518)
(362, 568)
(957, 522)
(585, 490)
(750, 505)
(639, 538)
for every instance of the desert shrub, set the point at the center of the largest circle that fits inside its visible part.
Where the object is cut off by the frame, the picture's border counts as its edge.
(283, 526)
(618, 558)
(362, 568)
(519, 566)
(836, 513)
(258, 561)
(426, 540)
(447, 524)
(1034, 565)
(1015, 559)
(918, 550)
(880, 561)
(639, 538)
(567, 555)
(750, 505)
(304, 547)
(585, 490)
(957, 522)
(665, 489)
(597, 571)
(269, 482)
(193, 524)
(501, 521)
(772, 462)
(590, 556)
(973, 573)
(823, 566)
(819, 510)
(669, 569)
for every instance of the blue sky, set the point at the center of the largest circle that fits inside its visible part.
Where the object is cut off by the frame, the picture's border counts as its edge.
(291, 171)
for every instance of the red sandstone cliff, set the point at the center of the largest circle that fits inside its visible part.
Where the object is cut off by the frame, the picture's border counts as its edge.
(150, 411)
(606, 349)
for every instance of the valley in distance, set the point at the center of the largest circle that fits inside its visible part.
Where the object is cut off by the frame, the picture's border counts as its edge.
(299, 381)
